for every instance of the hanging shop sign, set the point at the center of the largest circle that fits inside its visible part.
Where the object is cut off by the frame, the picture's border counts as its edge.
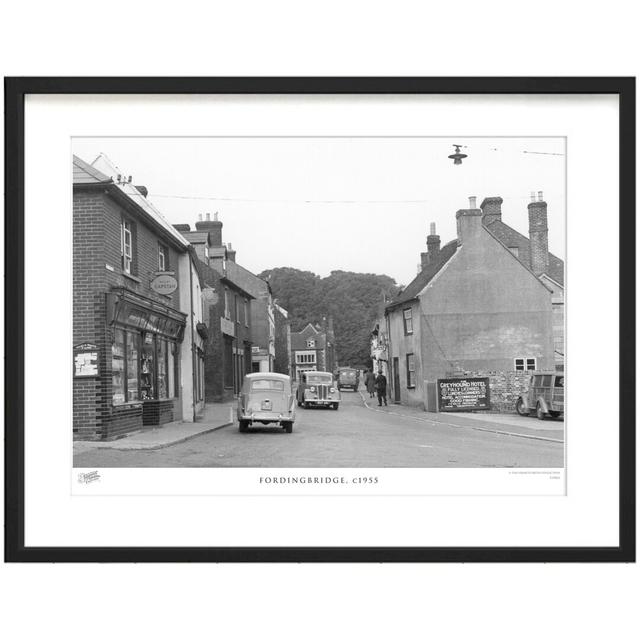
(463, 394)
(85, 360)
(164, 284)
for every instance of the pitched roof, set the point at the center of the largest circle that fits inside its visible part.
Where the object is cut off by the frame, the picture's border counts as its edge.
(140, 200)
(196, 237)
(247, 280)
(511, 238)
(412, 290)
(84, 173)
(299, 341)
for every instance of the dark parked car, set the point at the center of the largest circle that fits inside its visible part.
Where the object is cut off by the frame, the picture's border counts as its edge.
(545, 396)
(266, 398)
(317, 389)
(348, 378)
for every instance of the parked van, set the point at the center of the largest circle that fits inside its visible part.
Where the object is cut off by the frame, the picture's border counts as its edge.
(545, 396)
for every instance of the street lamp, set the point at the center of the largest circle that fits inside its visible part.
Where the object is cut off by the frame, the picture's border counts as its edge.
(457, 156)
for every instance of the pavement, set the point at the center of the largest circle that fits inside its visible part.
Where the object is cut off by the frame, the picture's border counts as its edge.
(505, 424)
(213, 417)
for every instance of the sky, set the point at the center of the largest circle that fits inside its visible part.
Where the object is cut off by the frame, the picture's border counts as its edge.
(354, 204)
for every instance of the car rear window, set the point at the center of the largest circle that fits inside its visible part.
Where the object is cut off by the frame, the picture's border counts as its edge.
(559, 381)
(267, 385)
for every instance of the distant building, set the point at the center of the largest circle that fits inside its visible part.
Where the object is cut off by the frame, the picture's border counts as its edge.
(313, 349)
(482, 305)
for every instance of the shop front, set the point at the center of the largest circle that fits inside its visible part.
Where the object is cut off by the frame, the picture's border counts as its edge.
(145, 362)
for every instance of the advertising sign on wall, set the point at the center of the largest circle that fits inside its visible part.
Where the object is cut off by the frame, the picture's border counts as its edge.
(463, 394)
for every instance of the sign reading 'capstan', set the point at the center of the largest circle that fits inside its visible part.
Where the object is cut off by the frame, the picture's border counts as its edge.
(164, 284)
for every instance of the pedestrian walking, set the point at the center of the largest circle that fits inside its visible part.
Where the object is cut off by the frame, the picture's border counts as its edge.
(381, 388)
(370, 382)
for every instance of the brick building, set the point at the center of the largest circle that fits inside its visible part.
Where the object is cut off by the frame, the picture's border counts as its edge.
(227, 310)
(313, 349)
(127, 334)
(482, 305)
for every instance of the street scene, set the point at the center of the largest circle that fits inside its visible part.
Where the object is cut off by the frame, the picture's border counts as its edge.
(321, 303)
(363, 435)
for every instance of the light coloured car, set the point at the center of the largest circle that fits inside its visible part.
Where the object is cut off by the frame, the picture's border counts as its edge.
(318, 389)
(266, 399)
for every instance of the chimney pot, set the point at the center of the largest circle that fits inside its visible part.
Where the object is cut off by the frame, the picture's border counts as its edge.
(472, 202)
(199, 217)
(533, 196)
(540, 198)
(215, 216)
(432, 229)
(208, 217)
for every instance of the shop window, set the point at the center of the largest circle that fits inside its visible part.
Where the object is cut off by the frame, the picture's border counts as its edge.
(163, 373)
(147, 368)
(163, 258)
(124, 366)
(411, 371)
(118, 367)
(525, 364)
(408, 321)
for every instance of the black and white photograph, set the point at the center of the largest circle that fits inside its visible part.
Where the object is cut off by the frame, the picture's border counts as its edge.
(318, 302)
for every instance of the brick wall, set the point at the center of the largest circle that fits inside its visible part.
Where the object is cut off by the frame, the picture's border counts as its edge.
(97, 268)
(504, 387)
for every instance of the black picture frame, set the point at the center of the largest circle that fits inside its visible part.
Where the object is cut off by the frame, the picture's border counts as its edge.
(15, 91)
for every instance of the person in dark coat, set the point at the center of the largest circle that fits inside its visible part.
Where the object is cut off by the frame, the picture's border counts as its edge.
(381, 388)
(370, 382)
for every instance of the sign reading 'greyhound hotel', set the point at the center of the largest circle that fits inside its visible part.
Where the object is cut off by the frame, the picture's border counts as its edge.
(463, 394)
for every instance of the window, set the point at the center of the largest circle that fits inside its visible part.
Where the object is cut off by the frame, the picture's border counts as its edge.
(411, 371)
(124, 366)
(408, 321)
(305, 357)
(126, 246)
(246, 313)
(311, 344)
(525, 364)
(227, 309)
(515, 251)
(163, 258)
(267, 385)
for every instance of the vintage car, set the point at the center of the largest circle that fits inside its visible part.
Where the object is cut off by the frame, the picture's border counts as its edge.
(266, 398)
(348, 378)
(545, 396)
(317, 389)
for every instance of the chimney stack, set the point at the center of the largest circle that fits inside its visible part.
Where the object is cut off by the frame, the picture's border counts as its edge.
(468, 221)
(182, 227)
(231, 253)
(538, 234)
(214, 227)
(491, 209)
(433, 248)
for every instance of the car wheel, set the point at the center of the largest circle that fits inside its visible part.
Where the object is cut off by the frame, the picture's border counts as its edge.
(288, 427)
(335, 405)
(305, 405)
(520, 410)
(540, 414)
(243, 426)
